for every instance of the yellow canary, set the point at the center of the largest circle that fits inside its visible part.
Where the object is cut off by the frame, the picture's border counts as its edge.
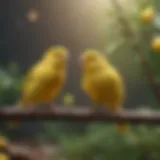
(103, 84)
(45, 80)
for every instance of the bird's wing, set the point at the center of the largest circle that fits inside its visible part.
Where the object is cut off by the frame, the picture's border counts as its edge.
(38, 79)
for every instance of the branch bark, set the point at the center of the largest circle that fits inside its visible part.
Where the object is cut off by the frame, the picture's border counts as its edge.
(81, 114)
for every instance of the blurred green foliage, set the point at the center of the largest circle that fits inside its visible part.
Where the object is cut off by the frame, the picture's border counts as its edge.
(10, 84)
(104, 142)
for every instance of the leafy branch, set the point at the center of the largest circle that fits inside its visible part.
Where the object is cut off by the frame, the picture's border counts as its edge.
(138, 49)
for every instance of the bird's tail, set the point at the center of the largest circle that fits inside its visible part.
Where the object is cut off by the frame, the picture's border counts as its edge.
(123, 127)
(14, 124)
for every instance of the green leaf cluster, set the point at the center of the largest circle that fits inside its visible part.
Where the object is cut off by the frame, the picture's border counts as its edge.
(10, 84)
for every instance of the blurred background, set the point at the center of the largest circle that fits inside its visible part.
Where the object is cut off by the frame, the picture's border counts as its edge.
(28, 28)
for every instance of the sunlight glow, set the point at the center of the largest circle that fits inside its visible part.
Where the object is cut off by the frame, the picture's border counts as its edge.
(32, 15)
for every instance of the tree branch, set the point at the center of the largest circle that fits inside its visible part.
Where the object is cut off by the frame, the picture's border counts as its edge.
(82, 114)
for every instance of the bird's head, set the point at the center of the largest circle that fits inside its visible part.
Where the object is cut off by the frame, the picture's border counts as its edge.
(57, 54)
(89, 56)
(91, 59)
(60, 53)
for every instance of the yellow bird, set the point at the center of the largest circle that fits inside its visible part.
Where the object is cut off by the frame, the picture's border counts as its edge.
(45, 80)
(102, 83)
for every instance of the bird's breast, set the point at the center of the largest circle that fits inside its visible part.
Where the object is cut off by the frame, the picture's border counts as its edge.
(101, 87)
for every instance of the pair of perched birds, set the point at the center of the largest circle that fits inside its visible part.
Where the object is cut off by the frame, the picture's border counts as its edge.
(100, 80)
